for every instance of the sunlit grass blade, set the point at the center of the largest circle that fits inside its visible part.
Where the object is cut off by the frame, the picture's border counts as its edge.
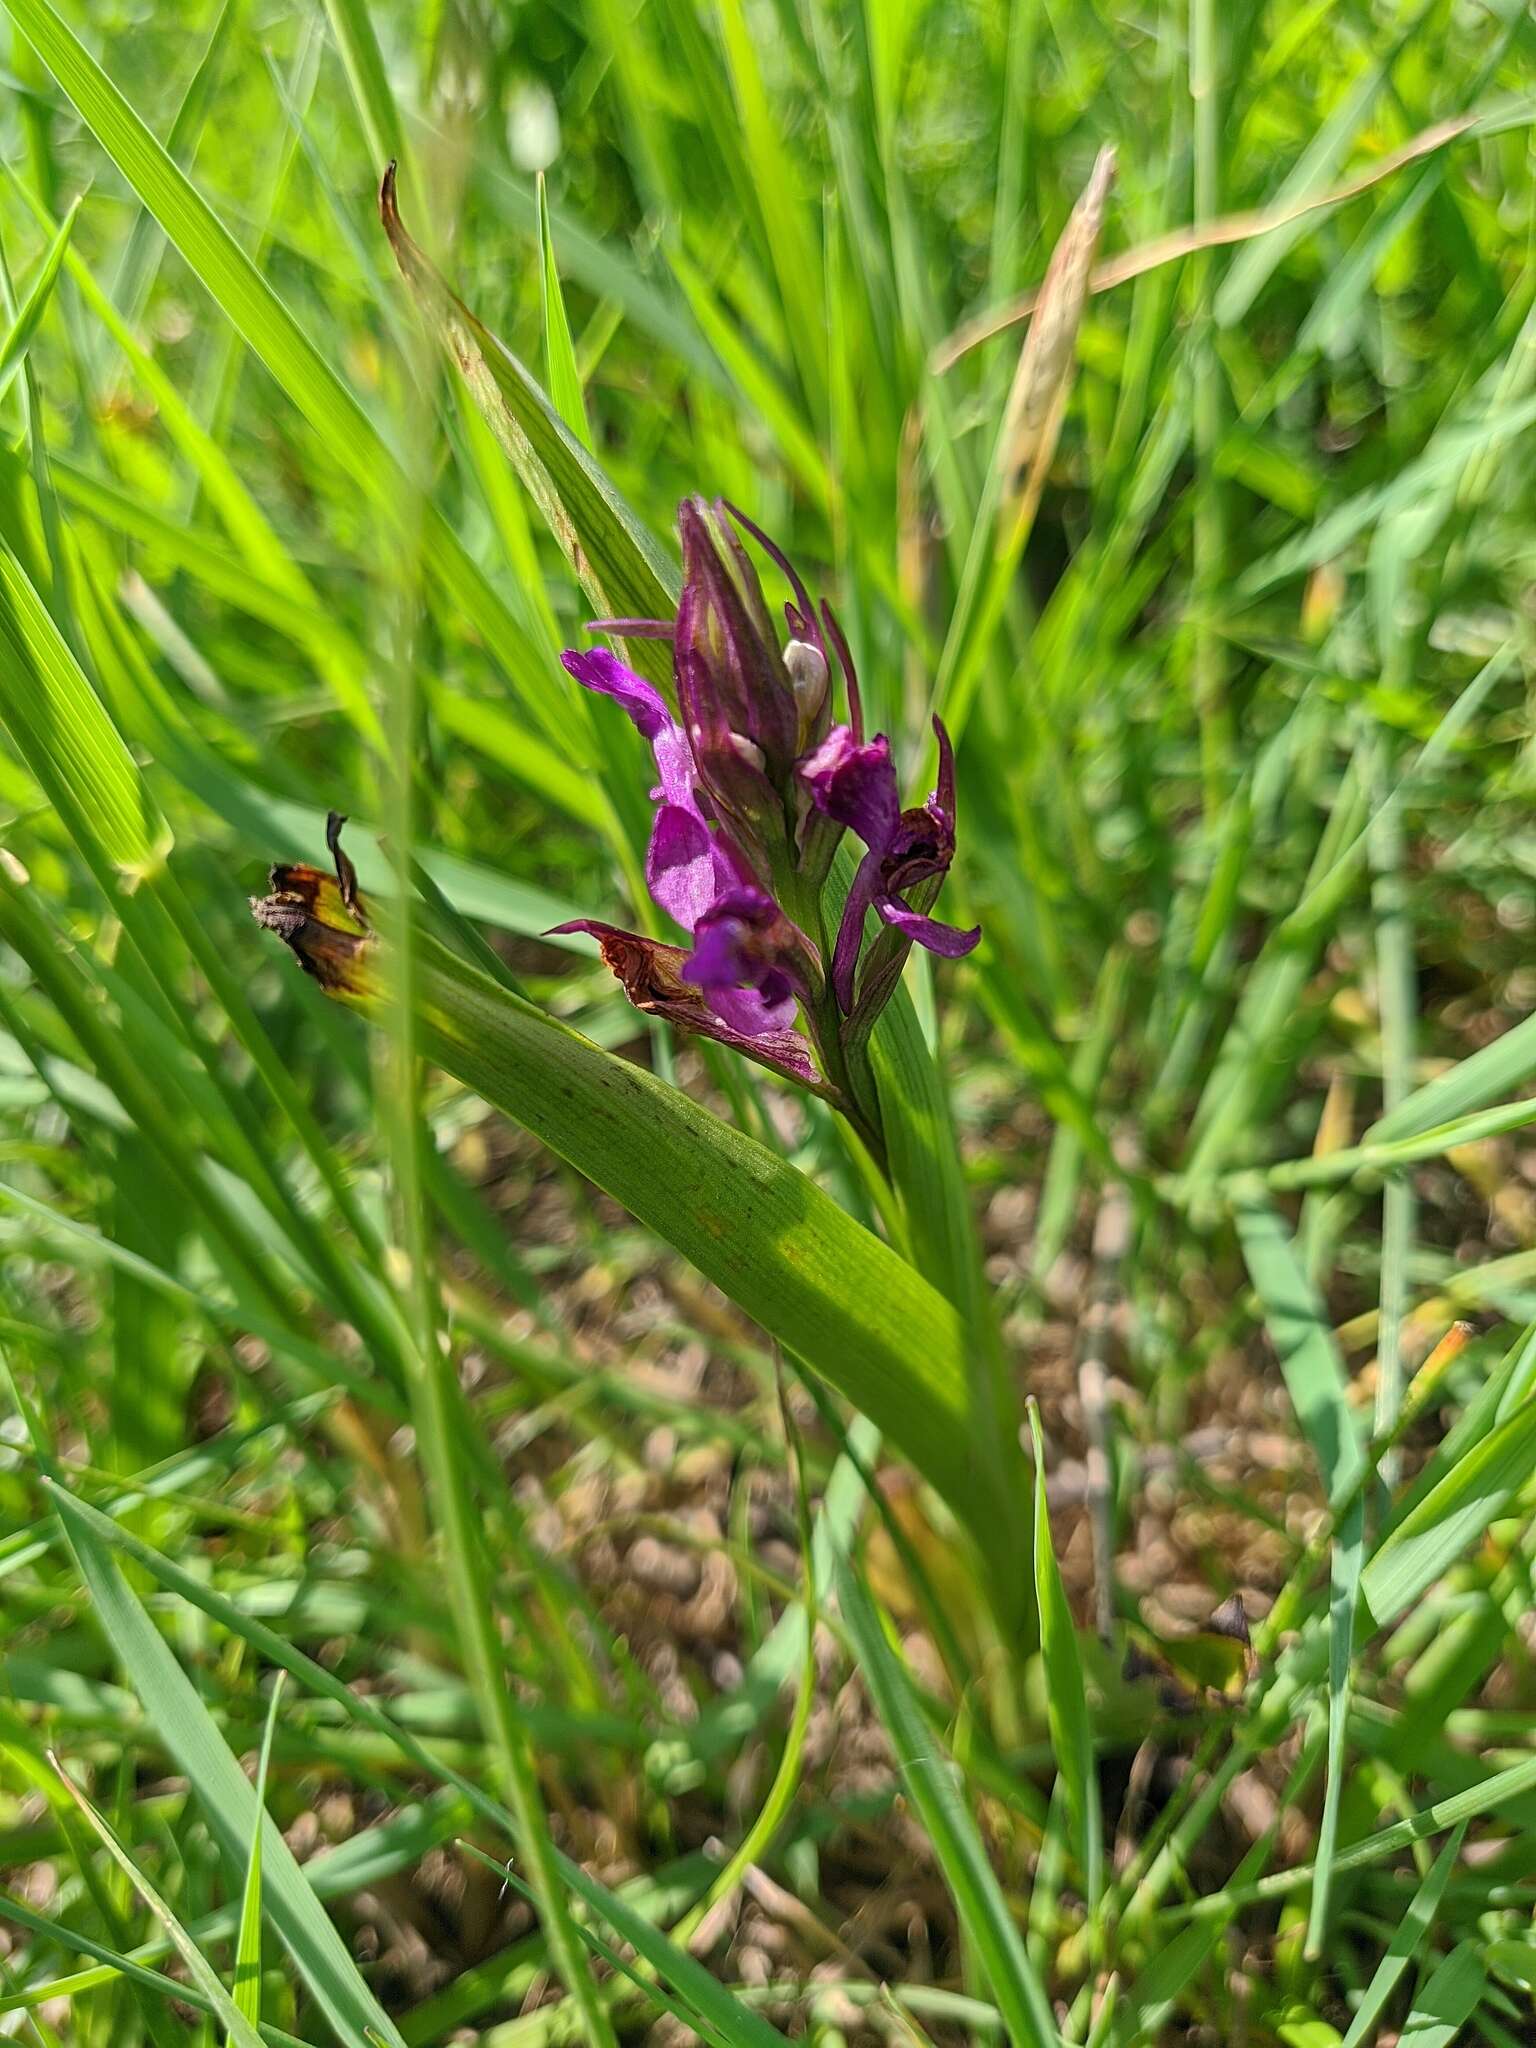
(358, 42)
(1299, 1328)
(1440, 1527)
(248, 1939)
(559, 352)
(228, 1801)
(1481, 1078)
(933, 1784)
(1498, 1789)
(722, 2020)
(1417, 1922)
(240, 2033)
(1446, 2000)
(110, 1967)
(67, 739)
(18, 337)
(622, 570)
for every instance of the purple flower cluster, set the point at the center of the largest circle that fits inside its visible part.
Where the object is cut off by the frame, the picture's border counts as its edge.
(754, 787)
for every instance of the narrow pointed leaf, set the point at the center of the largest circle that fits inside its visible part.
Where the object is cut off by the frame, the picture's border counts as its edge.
(933, 1783)
(559, 350)
(1450, 1518)
(1066, 1698)
(225, 1793)
(64, 734)
(248, 1940)
(241, 2034)
(1297, 1320)
(1417, 1923)
(35, 304)
(623, 572)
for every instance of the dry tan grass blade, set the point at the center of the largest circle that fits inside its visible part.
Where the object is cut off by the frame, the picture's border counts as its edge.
(1214, 234)
(1048, 360)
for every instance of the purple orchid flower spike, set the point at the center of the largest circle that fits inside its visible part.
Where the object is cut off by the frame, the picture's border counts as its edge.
(755, 787)
(854, 783)
(749, 961)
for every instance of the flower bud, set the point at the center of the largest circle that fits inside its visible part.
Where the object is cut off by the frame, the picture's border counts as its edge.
(807, 670)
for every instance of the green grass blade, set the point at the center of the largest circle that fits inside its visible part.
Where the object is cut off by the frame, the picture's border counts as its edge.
(29, 314)
(248, 1939)
(1482, 1077)
(702, 2004)
(1298, 1325)
(188, 1731)
(1451, 1516)
(1066, 1699)
(352, 26)
(66, 737)
(623, 572)
(111, 1966)
(932, 1782)
(1297, 1320)
(1373, 1157)
(559, 350)
(241, 2033)
(1313, 172)
(1446, 2001)
(1416, 1926)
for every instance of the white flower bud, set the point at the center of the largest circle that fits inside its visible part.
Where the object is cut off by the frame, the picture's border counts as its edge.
(806, 667)
(749, 751)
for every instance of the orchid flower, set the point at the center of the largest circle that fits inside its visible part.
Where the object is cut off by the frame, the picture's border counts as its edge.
(754, 788)
(855, 785)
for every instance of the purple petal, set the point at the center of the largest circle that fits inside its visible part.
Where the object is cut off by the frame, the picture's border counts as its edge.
(947, 939)
(736, 956)
(839, 641)
(597, 669)
(719, 959)
(855, 785)
(675, 769)
(754, 1012)
(682, 869)
(850, 933)
(943, 797)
